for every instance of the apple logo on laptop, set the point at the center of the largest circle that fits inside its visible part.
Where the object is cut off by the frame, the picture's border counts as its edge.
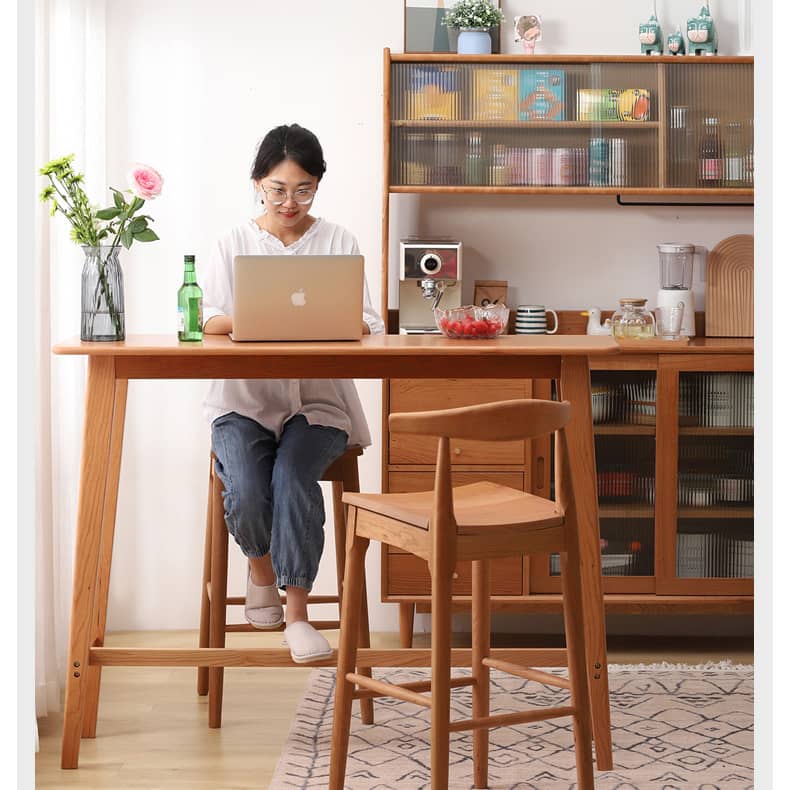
(298, 298)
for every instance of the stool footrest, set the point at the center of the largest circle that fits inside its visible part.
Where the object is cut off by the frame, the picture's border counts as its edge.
(389, 689)
(240, 600)
(415, 685)
(528, 673)
(508, 719)
(319, 625)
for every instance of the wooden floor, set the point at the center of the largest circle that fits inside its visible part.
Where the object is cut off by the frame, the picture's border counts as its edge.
(152, 731)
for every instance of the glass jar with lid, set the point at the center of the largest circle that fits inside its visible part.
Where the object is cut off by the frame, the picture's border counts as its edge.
(632, 321)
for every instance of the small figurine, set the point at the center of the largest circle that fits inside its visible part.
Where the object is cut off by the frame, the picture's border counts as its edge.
(701, 33)
(594, 325)
(675, 43)
(650, 35)
(529, 30)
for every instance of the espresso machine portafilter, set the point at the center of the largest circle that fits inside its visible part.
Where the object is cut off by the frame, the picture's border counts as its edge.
(430, 276)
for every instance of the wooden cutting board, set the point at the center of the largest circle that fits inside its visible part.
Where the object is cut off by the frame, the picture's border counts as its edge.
(729, 290)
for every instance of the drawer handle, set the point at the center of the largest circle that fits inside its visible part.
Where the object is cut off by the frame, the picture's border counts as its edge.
(455, 574)
(457, 451)
(540, 473)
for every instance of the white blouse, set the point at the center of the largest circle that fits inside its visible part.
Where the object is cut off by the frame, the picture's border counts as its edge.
(272, 402)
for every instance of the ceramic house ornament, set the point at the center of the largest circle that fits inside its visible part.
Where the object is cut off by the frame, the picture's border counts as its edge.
(650, 35)
(675, 43)
(701, 33)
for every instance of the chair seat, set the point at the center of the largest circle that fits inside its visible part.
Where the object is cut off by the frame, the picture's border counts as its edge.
(479, 508)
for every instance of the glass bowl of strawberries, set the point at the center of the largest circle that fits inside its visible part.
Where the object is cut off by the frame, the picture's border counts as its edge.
(472, 322)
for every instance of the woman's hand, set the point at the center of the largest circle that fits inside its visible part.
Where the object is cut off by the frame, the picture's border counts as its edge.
(218, 325)
(365, 329)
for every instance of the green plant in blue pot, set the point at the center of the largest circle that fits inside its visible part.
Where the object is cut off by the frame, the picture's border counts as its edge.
(650, 35)
(701, 33)
(473, 19)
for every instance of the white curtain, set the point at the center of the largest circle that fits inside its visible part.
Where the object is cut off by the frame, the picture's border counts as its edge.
(70, 118)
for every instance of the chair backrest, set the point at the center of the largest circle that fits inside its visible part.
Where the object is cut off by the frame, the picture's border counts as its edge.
(501, 421)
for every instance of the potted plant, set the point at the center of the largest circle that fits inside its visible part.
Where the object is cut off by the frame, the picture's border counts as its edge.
(100, 233)
(474, 19)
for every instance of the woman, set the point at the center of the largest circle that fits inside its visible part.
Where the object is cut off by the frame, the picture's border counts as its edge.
(274, 439)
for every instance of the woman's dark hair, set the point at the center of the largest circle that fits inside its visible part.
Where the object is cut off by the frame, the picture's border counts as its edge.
(292, 142)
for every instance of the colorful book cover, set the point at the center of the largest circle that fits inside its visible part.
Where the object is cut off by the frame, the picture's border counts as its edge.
(541, 95)
(433, 94)
(495, 95)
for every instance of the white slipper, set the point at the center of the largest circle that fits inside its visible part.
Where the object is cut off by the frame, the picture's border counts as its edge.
(262, 606)
(306, 643)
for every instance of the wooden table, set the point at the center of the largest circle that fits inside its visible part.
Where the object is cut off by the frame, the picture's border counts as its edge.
(111, 365)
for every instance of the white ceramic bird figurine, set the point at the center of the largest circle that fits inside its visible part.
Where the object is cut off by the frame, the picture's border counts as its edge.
(594, 325)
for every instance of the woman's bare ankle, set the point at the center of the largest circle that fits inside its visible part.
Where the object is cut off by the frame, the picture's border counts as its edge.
(261, 571)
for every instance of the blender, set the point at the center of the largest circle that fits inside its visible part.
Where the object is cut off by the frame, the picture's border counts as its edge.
(676, 263)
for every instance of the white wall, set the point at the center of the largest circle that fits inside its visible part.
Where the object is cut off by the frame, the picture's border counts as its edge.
(192, 86)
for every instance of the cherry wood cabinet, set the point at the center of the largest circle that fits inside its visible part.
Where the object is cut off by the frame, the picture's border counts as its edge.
(674, 457)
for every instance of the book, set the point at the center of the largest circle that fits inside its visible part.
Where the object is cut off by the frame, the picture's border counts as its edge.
(495, 95)
(541, 95)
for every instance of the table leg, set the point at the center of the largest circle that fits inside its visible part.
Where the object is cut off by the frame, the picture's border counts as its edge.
(575, 387)
(94, 472)
(93, 679)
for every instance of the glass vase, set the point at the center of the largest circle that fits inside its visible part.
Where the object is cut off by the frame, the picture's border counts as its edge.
(102, 295)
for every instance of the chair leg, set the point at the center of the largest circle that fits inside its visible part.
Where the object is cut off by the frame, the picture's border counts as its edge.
(406, 624)
(219, 594)
(205, 611)
(350, 482)
(347, 652)
(481, 644)
(577, 666)
(441, 622)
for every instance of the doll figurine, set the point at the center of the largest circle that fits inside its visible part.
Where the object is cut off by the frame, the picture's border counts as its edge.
(675, 43)
(650, 37)
(529, 30)
(701, 33)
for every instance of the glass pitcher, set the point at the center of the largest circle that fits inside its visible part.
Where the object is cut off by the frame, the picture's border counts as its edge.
(632, 321)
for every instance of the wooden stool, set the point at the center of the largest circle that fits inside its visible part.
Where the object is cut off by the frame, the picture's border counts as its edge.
(344, 475)
(477, 522)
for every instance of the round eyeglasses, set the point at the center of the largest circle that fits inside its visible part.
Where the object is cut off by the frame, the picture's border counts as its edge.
(277, 196)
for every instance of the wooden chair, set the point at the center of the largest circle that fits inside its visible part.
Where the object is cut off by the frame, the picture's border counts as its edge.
(344, 475)
(477, 522)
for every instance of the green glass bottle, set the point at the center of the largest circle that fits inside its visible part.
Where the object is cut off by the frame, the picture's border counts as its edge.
(190, 304)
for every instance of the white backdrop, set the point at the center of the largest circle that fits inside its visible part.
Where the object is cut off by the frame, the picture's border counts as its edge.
(190, 89)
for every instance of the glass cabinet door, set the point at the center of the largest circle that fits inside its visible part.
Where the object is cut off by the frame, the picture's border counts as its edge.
(624, 429)
(574, 125)
(715, 473)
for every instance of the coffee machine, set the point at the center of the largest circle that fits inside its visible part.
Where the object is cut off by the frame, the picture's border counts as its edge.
(676, 266)
(430, 276)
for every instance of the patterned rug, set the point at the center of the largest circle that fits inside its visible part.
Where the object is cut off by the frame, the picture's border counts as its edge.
(674, 728)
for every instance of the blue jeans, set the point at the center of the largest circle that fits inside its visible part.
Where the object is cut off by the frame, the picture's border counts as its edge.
(272, 498)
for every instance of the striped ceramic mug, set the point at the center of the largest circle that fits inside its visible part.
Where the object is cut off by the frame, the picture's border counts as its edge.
(531, 320)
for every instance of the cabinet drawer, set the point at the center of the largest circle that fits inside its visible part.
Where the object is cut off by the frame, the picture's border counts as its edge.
(406, 482)
(408, 575)
(426, 394)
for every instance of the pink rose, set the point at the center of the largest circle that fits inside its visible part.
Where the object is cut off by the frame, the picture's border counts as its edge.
(145, 182)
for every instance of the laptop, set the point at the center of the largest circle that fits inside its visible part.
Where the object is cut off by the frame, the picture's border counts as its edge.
(297, 297)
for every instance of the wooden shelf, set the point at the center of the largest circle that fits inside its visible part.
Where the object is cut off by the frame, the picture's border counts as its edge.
(715, 512)
(529, 60)
(627, 511)
(624, 430)
(647, 191)
(485, 124)
(614, 603)
(697, 430)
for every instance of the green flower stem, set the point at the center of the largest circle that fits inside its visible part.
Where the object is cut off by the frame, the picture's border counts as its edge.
(105, 291)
